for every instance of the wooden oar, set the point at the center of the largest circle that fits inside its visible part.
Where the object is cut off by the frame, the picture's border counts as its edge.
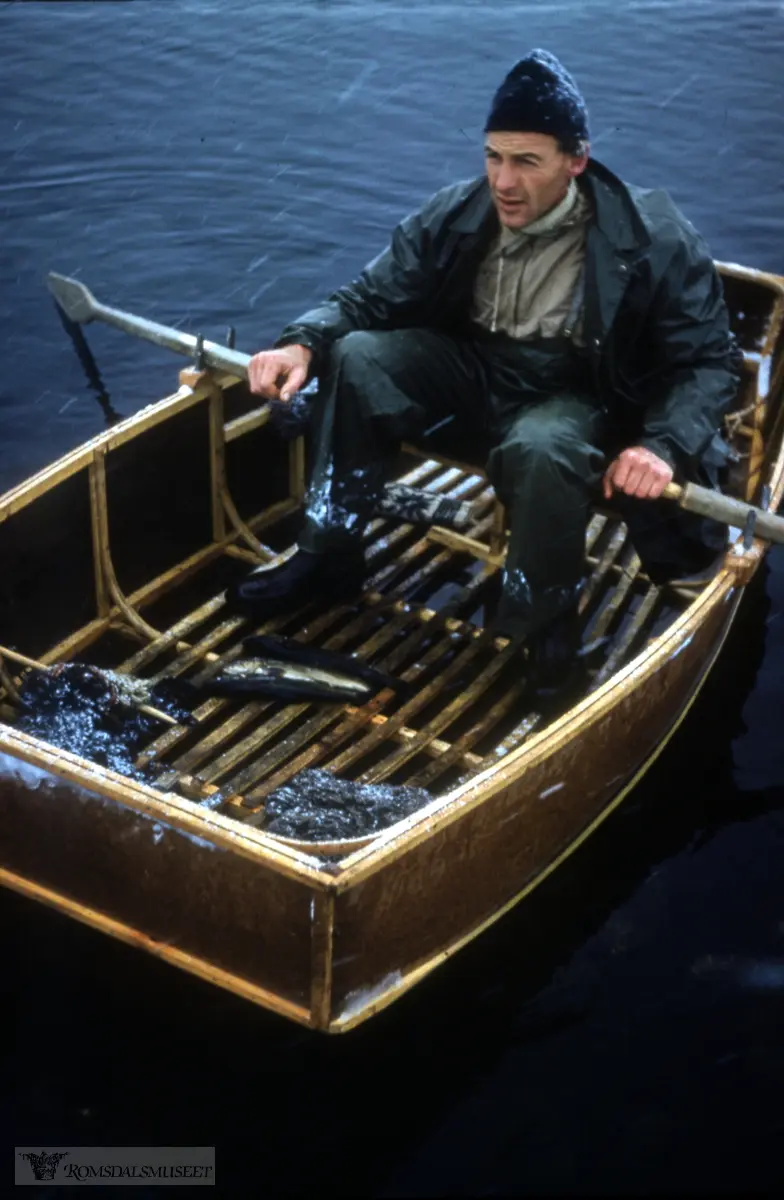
(728, 511)
(80, 305)
(24, 661)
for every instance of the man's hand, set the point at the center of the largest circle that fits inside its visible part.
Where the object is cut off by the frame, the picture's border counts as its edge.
(278, 374)
(637, 472)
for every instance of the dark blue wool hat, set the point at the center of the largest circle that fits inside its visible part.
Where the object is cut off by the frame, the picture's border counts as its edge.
(540, 96)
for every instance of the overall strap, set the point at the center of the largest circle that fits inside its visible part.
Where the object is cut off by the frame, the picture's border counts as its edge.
(578, 295)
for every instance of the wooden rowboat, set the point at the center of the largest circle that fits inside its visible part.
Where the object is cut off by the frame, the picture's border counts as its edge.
(119, 553)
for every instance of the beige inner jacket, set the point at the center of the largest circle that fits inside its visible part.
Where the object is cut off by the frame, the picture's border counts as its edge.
(526, 282)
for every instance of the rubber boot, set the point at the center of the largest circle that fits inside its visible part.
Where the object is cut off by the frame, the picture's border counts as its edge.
(305, 576)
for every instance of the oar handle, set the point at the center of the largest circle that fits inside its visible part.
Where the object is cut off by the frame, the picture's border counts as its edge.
(725, 509)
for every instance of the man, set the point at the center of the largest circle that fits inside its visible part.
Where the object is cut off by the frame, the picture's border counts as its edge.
(569, 327)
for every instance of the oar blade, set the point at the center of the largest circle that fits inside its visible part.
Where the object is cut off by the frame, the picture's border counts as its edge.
(77, 301)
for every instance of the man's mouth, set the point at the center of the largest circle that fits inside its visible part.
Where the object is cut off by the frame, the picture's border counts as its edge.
(510, 203)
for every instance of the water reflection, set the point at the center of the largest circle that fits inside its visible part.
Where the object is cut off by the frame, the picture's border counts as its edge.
(90, 366)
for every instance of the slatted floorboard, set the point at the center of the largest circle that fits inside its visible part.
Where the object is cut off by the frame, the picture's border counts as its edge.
(421, 619)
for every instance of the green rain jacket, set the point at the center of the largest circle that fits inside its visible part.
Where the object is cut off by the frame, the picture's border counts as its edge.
(661, 354)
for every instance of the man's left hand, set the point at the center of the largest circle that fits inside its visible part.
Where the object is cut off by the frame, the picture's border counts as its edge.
(637, 472)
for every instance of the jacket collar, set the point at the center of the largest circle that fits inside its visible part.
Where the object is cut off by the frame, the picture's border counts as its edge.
(617, 217)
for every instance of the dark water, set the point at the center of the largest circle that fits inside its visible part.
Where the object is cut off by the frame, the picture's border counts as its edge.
(206, 164)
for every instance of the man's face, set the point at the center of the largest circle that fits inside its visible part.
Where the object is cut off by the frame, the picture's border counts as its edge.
(528, 175)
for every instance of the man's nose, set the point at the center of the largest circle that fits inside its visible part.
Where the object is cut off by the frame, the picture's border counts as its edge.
(505, 181)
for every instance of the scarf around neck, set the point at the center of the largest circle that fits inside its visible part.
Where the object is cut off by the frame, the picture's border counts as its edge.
(548, 224)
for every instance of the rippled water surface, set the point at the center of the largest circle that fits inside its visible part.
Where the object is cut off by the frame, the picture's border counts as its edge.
(206, 164)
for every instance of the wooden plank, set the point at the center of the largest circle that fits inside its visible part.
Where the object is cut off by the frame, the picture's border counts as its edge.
(199, 967)
(436, 747)
(466, 699)
(479, 640)
(148, 592)
(315, 627)
(254, 744)
(459, 750)
(172, 636)
(180, 572)
(246, 423)
(612, 550)
(356, 719)
(397, 573)
(513, 740)
(198, 652)
(99, 506)
(599, 624)
(217, 465)
(630, 569)
(595, 527)
(297, 473)
(399, 577)
(464, 544)
(264, 553)
(623, 642)
(9, 689)
(380, 545)
(322, 937)
(97, 525)
(246, 556)
(155, 414)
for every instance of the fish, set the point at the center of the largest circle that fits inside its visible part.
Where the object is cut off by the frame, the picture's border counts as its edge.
(287, 670)
(284, 681)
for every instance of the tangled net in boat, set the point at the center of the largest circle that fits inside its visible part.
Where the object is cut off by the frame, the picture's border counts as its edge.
(95, 714)
(316, 806)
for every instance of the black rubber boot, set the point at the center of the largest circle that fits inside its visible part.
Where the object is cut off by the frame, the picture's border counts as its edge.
(303, 577)
(557, 670)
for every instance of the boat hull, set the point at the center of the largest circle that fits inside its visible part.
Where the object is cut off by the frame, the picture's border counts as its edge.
(329, 951)
(186, 871)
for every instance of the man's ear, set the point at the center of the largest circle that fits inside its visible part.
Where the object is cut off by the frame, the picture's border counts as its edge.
(579, 163)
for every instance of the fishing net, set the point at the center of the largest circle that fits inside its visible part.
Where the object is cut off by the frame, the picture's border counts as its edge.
(316, 806)
(94, 714)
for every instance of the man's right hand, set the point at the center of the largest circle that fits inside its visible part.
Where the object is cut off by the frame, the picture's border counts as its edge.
(278, 374)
